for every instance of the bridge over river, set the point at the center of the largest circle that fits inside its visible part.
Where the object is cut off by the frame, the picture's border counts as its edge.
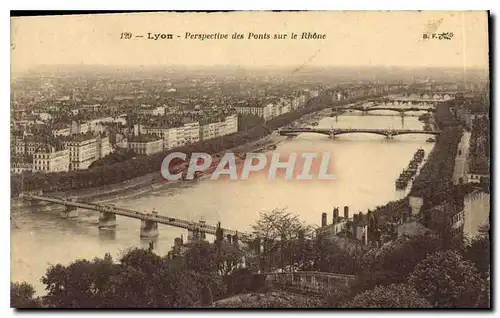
(149, 221)
(401, 110)
(388, 133)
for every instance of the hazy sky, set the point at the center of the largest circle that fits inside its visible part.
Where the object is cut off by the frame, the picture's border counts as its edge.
(352, 38)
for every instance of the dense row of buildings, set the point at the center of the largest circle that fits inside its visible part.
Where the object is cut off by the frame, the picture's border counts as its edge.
(85, 142)
(273, 106)
(370, 228)
(152, 138)
(57, 153)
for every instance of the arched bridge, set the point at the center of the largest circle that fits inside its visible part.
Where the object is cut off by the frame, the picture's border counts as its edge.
(389, 133)
(318, 283)
(396, 109)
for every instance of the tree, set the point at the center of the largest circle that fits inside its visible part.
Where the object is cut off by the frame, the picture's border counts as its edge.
(270, 300)
(483, 300)
(333, 257)
(145, 280)
(239, 281)
(79, 285)
(401, 256)
(392, 296)
(275, 229)
(446, 280)
(201, 257)
(478, 252)
(22, 296)
(370, 279)
(144, 260)
(228, 258)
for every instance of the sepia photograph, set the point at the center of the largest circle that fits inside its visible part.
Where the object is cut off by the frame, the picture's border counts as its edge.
(250, 159)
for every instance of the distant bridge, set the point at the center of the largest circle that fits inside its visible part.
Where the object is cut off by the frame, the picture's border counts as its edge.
(422, 98)
(348, 114)
(389, 133)
(149, 224)
(396, 109)
(316, 283)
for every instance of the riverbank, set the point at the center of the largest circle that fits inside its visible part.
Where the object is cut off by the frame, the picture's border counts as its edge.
(435, 178)
(460, 171)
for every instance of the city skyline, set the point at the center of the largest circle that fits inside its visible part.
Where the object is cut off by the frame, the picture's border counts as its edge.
(361, 39)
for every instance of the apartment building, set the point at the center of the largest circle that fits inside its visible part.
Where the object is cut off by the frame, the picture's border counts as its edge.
(284, 106)
(231, 124)
(264, 111)
(103, 146)
(209, 131)
(78, 127)
(145, 144)
(152, 111)
(220, 128)
(50, 158)
(21, 163)
(299, 101)
(27, 145)
(62, 131)
(19, 167)
(191, 133)
(83, 150)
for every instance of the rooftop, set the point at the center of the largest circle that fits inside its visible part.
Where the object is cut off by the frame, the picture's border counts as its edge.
(143, 138)
(50, 147)
(77, 138)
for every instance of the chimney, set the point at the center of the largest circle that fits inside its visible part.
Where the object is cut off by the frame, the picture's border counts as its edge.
(335, 215)
(229, 237)
(346, 212)
(323, 219)
(355, 219)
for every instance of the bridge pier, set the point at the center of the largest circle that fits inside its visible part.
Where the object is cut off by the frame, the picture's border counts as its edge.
(107, 220)
(389, 136)
(149, 229)
(196, 235)
(70, 212)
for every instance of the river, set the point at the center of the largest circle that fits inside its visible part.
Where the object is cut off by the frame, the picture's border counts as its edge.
(365, 167)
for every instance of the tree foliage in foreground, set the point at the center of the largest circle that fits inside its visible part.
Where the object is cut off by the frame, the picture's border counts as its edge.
(392, 296)
(141, 279)
(478, 252)
(446, 280)
(400, 256)
(22, 295)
